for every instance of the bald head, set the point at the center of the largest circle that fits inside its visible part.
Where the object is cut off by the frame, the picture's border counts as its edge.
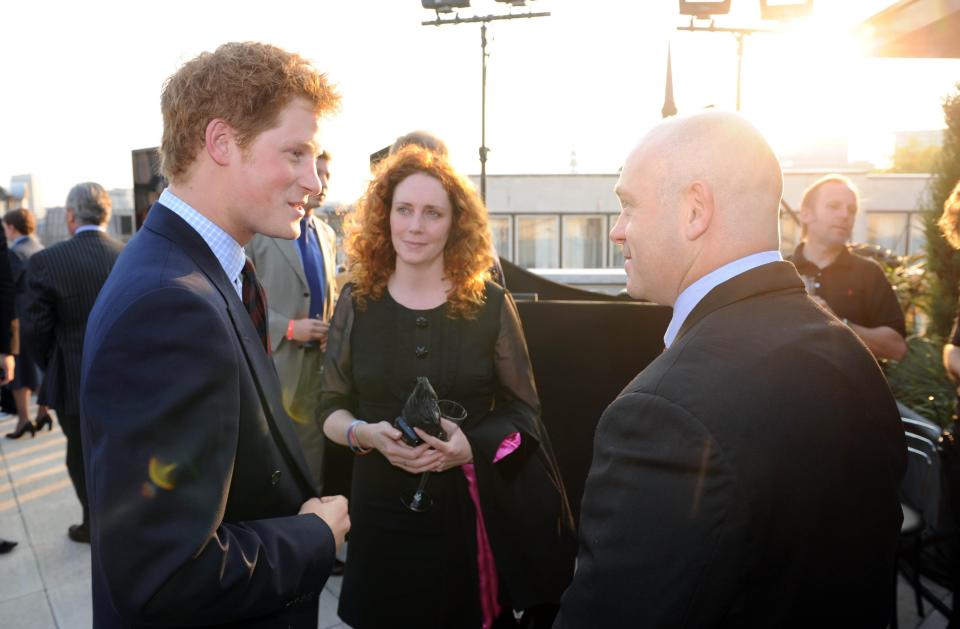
(714, 184)
(727, 153)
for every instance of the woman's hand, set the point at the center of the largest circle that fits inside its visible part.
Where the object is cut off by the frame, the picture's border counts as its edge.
(385, 438)
(454, 452)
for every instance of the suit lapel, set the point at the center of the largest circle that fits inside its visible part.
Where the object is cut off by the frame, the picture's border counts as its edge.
(767, 278)
(288, 248)
(165, 222)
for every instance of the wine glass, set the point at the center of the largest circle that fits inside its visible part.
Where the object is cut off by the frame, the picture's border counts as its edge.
(420, 501)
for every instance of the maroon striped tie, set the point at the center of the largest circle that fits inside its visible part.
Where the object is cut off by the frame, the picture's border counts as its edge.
(255, 301)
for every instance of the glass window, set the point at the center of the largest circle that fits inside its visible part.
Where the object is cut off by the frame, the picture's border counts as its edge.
(616, 251)
(888, 230)
(538, 242)
(583, 239)
(501, 231)
(918, 237)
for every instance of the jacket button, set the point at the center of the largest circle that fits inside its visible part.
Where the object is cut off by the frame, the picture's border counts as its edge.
(422, 322)
(275, 477)
(421, 352)
(306, 294)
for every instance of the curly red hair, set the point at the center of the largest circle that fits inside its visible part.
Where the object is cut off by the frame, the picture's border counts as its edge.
(466, 258)
(949, 221)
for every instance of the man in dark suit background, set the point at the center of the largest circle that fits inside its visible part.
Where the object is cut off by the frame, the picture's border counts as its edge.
(63, 282)
(748, 477)
(202, 507)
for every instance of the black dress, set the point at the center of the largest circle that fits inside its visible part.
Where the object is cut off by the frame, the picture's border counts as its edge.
(409, 569)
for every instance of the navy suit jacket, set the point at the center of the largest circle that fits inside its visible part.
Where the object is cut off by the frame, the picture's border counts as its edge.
(194, 472)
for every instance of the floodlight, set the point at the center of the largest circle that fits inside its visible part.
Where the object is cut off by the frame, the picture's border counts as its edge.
(444, 6)
(704, 10)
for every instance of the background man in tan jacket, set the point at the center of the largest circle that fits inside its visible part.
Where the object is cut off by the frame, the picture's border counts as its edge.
(299, 279)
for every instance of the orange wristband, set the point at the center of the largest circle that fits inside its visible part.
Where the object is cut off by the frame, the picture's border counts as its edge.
(290, 330)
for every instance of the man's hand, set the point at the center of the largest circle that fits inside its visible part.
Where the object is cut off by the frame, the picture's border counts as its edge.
(8, 364)
(333, 511)
(305, 330)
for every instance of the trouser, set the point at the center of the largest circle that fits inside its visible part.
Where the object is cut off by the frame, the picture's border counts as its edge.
(71, 430)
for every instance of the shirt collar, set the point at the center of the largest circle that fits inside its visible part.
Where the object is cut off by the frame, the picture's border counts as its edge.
(19, 240)
(227, 250)
(842, 259)
(89, 228)
(692, 294)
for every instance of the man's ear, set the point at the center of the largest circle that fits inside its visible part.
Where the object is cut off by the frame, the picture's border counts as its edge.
(700, 206)
(220, 141)
(805, 215)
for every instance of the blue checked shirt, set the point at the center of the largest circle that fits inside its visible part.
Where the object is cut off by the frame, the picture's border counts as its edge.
(227, 250)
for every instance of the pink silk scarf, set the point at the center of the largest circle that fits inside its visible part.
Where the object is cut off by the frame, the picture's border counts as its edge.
(487, 569)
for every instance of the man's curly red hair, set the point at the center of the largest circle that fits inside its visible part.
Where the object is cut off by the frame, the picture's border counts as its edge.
(466, 257)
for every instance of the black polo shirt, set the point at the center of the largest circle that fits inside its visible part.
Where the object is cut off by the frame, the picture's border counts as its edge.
(855, 288)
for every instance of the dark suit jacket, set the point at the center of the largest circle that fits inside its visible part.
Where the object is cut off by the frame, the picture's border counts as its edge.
(7, 296)
(63, 282)
(20, 254)
(747, 477)
(194, 473)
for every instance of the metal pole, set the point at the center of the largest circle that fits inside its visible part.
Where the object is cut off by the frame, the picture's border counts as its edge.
(483, 113)
(740, 33)
(483, 19)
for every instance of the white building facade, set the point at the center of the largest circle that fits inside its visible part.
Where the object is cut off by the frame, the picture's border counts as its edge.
(562, 221)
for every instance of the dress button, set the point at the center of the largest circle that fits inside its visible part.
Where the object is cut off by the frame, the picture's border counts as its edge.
(421, 351)
(275, 477)
(422, 322)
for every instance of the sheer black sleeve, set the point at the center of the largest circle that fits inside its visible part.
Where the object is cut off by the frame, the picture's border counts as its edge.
(517, 406)
(336, 382)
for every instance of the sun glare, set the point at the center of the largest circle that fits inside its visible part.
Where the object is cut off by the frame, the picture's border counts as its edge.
(804, 86)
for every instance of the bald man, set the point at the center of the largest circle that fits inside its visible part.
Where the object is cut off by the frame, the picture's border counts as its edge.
(748, 476)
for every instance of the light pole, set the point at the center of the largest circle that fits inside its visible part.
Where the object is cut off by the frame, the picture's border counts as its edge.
(739, 33)
(779, 11)
(446, 7)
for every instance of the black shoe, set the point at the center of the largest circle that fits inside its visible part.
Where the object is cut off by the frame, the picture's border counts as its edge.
(79, 533)
(338, 567)
(6, 546)
(43, 420)
(16, 434)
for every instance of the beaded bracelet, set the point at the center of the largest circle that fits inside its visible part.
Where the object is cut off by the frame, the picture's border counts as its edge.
(353, 442)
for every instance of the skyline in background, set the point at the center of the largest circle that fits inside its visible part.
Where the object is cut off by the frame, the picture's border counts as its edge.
(588, 80)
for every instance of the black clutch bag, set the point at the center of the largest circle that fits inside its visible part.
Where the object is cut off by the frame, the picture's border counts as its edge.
(420, 411)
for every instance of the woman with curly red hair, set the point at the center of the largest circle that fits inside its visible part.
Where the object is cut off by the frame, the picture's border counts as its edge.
(498, 538)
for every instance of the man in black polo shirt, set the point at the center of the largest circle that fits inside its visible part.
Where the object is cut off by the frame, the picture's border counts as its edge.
(852, 287)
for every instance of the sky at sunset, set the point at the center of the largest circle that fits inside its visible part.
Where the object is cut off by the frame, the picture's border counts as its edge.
(83, 80)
